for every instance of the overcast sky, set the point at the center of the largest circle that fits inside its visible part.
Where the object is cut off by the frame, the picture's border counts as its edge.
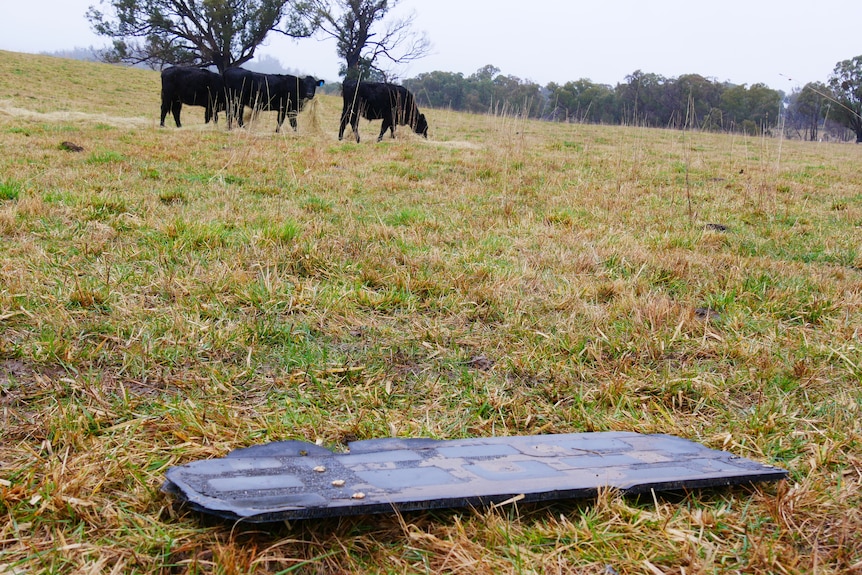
(782, 44)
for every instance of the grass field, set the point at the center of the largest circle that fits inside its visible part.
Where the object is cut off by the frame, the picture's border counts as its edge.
(172, 294)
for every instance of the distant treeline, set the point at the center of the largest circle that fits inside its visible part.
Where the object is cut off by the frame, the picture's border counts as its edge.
(643, 99)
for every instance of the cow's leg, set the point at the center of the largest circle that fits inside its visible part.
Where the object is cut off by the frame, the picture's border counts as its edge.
(292, 111)
(353, 119)
(208, 114)
(387, 125)
(396, 120)
(345, 119)
(236, 113)
(175, 110)
(354, 124)
(213, 108)
(166, 106)
(236, 106)
(230, 109)
(281, 114)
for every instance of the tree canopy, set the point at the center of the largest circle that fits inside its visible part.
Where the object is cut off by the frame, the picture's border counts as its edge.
(846, 84)
(484, 91)
(364, 36)
(646, 99)
(807, 110)
(221, 33)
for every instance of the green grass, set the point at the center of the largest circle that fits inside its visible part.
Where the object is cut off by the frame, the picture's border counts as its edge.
(10, 190)
(172, 294)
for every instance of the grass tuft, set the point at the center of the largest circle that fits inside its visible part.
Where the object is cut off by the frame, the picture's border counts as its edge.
(106, 157)
(10, 190)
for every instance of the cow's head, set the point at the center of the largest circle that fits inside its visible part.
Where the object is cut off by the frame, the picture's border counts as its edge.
(310, 85)
(421, 126)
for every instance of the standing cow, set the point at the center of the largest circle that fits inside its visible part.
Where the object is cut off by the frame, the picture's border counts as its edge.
(192, 86)
(375, 101)
(281, 92)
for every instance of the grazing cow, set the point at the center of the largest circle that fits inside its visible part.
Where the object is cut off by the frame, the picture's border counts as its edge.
(281, 92)
(192, 86)
(375, 101)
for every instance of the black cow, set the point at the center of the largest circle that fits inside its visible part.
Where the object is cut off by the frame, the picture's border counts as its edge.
(192, 86)
(375, 101)
(281, 92)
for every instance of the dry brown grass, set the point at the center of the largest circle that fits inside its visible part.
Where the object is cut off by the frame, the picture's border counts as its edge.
(172, 294)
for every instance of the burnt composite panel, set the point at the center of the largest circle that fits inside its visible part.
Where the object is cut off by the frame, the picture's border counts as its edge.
(291, 480)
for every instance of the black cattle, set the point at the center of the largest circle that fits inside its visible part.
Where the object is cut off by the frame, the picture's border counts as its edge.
(192, 86)
(281, 92)
(376, 101)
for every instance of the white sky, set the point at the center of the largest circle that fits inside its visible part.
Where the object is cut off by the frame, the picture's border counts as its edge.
(781, 43)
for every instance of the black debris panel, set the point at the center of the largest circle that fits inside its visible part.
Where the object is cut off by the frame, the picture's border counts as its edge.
(291, 480)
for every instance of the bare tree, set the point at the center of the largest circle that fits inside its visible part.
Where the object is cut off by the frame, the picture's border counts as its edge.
(365, 37)
(222, 33)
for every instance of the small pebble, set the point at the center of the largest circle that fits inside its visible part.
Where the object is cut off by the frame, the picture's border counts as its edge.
(338, 483)
(716, 227)
(706, 314)
(71, 147)
(320, 469)
(358, 495)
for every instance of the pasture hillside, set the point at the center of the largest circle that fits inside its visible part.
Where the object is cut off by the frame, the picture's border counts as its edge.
(173, 294)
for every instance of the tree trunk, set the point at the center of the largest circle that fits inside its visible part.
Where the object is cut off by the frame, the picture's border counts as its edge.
(353, 70)
(812, 130)
(856, 126)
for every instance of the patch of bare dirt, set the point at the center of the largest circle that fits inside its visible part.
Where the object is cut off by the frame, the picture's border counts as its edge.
(8, 109)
